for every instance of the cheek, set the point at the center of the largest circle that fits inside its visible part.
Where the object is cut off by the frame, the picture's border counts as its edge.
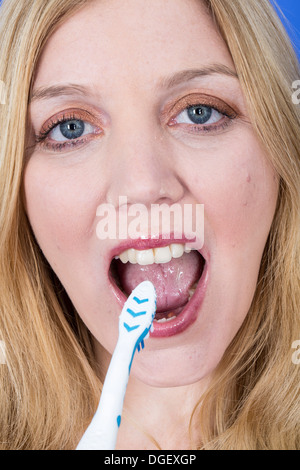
(240, 196)
(61, 212)
(249, 207)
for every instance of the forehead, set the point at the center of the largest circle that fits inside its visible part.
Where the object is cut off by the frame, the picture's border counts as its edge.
(131, 41)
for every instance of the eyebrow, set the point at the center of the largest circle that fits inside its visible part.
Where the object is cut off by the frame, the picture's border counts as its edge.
(190, 74)
(55, 91)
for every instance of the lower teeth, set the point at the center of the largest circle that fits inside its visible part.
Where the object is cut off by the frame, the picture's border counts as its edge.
(164, 320)
(192, 290)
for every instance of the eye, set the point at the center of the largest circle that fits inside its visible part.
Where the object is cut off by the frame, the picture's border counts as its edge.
(71, 129)
(199, 115)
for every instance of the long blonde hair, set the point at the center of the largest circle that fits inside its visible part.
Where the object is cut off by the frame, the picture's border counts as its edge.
(49, 386)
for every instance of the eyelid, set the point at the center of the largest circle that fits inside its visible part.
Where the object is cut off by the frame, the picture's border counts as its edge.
(70, 114)
(172, 110)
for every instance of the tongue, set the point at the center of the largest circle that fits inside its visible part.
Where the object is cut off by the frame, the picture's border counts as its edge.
(172, 280)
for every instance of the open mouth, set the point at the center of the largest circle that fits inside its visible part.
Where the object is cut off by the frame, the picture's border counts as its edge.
(178, 275)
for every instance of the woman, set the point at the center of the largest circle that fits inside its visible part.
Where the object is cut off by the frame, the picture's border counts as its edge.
(185, 102)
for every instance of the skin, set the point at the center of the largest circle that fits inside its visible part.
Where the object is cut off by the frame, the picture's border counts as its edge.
(123, 54)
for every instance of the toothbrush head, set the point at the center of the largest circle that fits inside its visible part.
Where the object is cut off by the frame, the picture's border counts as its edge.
(135, 321)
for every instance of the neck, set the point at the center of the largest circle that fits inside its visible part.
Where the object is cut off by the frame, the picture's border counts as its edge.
(159, 418)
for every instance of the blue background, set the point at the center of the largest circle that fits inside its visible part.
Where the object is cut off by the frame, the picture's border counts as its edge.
(291, 10)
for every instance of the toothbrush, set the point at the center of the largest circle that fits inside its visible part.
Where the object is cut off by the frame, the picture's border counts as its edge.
(135, 322)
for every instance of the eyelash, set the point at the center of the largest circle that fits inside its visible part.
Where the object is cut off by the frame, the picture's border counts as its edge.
(204, 128)
(204, 101)
(41, 138)
(181, 106)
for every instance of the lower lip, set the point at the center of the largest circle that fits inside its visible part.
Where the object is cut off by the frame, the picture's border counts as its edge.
(186, 318)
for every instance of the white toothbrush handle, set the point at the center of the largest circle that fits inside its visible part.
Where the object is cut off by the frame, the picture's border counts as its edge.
(103, 430)
(135, 323)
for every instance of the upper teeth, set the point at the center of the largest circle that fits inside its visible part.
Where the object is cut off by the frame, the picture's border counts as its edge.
(155, 255)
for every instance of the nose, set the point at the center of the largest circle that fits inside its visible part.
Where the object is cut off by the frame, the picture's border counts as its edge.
(142, 166)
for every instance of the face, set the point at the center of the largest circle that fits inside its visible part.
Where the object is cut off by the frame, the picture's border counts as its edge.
(140, 100)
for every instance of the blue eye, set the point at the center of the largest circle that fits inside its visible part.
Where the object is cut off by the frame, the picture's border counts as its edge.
(68, 130)
(71, 129)
(199, 115)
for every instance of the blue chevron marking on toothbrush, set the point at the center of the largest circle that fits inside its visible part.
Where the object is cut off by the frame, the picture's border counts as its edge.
(135, 314)
(140, 301)
(139, 345)
(130, 328)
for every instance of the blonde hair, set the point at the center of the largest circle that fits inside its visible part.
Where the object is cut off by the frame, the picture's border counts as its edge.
(49, 388)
